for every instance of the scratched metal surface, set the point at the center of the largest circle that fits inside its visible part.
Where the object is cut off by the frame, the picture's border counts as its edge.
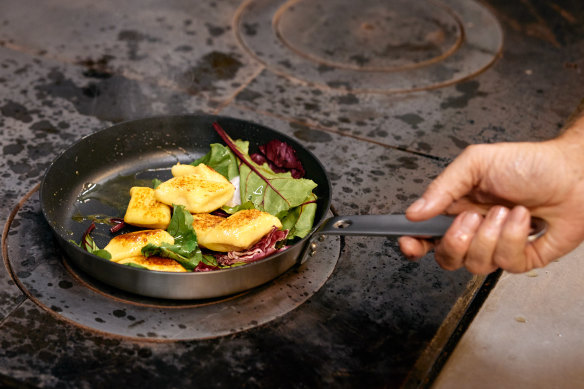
(68, 69)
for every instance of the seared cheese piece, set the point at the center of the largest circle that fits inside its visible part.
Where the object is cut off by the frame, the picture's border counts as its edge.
(130, 244)
(203, 191)
(205, 222)
(202, 171)
(239, 231)
(155, 263)
(145, 211)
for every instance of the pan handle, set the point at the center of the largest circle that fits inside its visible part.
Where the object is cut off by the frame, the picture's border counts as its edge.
(394, 226)
(397, 225)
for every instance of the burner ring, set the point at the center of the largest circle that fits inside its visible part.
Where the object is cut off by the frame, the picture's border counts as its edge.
(371, 29)
(36, 265)
(457, 40)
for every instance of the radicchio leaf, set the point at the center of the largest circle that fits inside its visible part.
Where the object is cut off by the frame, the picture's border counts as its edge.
(266, 246)
(281, 157)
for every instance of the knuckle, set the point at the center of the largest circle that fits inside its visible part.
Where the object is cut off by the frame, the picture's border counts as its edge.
(477, 267)
(508, 263)
(445, 261)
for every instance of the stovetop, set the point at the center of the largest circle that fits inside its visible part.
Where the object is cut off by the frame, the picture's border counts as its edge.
(385, 93)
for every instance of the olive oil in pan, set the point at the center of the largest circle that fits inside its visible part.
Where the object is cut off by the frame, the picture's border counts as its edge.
(114, 193)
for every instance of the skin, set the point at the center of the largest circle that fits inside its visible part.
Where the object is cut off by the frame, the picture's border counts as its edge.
(495, 189)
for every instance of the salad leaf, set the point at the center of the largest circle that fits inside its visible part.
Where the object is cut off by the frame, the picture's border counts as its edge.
(281, 157)
(272, 192)
(299, 220)
(89, 244)
(185, 249)
(221, 159)
(155, 183)
(232, 210)
(268, 245)
(275, 193)
(137, 266)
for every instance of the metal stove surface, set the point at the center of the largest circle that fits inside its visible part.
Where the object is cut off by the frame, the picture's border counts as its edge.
(359, 314)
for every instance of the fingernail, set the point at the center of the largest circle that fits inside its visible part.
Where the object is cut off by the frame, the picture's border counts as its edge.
(471, 220)
(417, 205)
(519, 214)
(468, 225)
(499, 214)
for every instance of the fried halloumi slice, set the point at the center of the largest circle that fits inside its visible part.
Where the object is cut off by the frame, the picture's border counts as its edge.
(145, 211)
(130, 244)
(239, 231)
(202, 192)
(202, 171)
(155, 263)
(205, 222)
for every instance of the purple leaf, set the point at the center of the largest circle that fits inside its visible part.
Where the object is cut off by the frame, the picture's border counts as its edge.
(281, 157)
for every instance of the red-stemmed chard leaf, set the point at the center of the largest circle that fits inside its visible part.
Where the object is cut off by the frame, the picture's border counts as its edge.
(88, 244)
(279, 194)
(229, 142)
(118, 224)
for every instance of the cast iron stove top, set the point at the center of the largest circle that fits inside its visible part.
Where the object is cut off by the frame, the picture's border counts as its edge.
(385, 93)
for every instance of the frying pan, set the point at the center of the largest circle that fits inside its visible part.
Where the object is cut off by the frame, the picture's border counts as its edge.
(90, 181)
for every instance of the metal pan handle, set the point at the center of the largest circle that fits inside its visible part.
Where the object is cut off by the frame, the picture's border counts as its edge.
(397, 225)
(394, 226)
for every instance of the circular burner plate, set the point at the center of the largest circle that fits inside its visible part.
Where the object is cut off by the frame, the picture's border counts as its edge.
(371, 45)
(38, 267)
(368, 35)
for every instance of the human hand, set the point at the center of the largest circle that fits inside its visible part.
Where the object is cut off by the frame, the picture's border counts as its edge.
(495, 189)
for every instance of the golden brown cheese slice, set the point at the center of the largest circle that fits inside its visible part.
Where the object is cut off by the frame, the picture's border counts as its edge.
(145, 211)
(130, 244)
(155, 263)
(199, 193)
(205, 222)
(202, 171)
(239, 231)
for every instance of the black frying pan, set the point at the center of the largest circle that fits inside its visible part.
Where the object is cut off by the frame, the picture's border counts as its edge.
(91, 181)
(142, 150)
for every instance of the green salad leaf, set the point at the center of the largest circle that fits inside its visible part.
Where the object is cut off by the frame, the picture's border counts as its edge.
(272, 192)
(232, 210)
(299, 220)
(222, 159)
(185, 249)
(88, 244)
(137, 266)
(290, 199)
(155, 183)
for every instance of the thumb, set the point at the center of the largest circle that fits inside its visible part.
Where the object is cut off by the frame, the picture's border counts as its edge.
(454, 182)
